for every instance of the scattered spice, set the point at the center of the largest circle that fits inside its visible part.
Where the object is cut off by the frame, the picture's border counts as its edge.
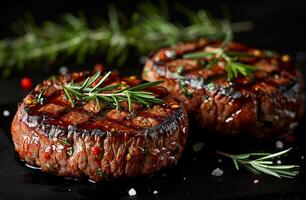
(279, 144)
(128, 156)
(26, 83)
(6, 113)
(99, 67)
(132, 192)
(96, 150)
(217, 172)
(63, 70)
(198, 146)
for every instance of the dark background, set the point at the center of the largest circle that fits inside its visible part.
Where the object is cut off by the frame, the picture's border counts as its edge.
(278, 25)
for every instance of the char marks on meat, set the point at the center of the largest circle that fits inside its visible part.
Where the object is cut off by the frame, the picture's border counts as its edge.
(83, 141)
(266, 103)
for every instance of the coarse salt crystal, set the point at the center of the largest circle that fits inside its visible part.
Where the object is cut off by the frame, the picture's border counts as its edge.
(279, 162)
(132, 192)
(198, 146)
(6, 113)
(63, 70)
(256, 181)
(155, 192)
(279, 144)
(217, 172)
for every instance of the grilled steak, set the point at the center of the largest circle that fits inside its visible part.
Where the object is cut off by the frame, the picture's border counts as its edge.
(98, 143)
(266, 103)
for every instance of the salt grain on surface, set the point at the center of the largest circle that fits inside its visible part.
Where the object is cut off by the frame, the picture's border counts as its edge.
(132, 192)
(63, 70)
(155, 192)
(198, 146)
(278, 162)
(217, 172)
(256, 181)
(279, 144)
(6, 113)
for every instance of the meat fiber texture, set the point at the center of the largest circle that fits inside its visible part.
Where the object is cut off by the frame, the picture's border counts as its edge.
(98, 144)
(267, 103)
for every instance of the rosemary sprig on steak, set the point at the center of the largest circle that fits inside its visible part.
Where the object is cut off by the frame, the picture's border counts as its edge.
(92, 89)
(232, 66)
(40, 98)
(263, 163)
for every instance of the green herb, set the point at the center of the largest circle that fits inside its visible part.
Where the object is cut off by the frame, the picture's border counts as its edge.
(70, 151)
(263, 163)
(100, 172)
(233, 68)
(52, 78)
(65, 141)
(182, 82)
(112, 94)
(211, 87)
(146, 29)
(40, 98)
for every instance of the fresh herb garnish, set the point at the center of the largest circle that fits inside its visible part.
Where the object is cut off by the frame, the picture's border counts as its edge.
(232, 66)
(100, 172)
(40, 98)
(70, 151)
(258, 163)
(182, 81)
(112, 94)
(65, 141)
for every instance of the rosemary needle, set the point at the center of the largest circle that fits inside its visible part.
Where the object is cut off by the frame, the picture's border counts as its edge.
(233, 68)
(115, 94)
(258, 163)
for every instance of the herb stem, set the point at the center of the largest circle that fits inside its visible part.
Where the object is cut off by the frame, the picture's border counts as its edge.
(263, 163)
(86, 92)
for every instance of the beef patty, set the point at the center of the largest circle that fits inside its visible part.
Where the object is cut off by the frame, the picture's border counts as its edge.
(266, 103)
(98, 143)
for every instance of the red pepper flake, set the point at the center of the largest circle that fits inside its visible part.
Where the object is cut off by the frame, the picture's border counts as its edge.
(26, 83)
(162, 55)
(46, 156)
(96, 82)
(99, 67)
(290, 138)
(96, 150)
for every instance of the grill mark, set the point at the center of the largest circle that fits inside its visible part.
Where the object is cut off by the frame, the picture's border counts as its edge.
(53, 126)
(152, 115)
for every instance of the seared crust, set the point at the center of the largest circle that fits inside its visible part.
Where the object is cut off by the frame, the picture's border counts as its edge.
(104, 144)
(267, 103)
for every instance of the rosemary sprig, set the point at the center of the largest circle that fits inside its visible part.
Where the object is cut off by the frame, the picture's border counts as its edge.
(146, 29)
(232, 66)
(182, 82)
(40, 98)
(258, 163)
(112, 94)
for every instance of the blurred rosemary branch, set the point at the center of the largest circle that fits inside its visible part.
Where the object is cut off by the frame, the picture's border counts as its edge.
(145, 30)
